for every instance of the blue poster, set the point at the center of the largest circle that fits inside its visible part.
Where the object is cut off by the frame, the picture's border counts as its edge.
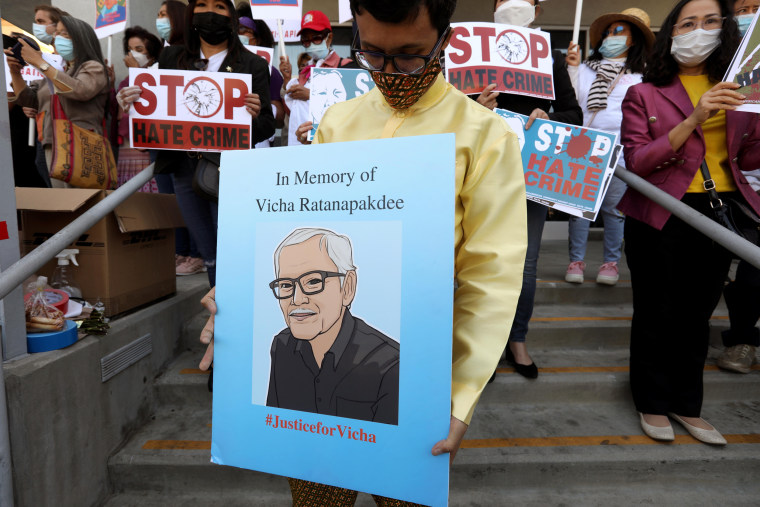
(333, 336)
(330, 86)
(567, 167)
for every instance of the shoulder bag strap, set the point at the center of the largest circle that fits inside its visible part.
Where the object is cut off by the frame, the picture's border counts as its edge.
(709, 186)
(609, 91)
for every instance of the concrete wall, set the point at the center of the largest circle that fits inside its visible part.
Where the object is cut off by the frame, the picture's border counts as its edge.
(65, 423)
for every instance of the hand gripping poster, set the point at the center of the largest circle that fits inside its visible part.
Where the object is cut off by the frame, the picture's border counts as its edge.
(323, 346)
(191, 111)
(519, 60)
(745, 69)
(111, 17)
(567, 167)
(329, 86)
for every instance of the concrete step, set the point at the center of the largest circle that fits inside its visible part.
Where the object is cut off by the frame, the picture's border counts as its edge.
(537, 453)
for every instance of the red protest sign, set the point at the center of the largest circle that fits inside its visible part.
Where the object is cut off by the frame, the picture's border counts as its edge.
(194, 111)
(517, 59)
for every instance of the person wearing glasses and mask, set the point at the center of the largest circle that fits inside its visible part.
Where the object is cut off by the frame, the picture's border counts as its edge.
(621, 42)
(401, 45)
(564, 108)
(681, 133)
(316, 37)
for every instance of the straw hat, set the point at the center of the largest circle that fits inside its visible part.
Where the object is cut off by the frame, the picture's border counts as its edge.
(634, 16)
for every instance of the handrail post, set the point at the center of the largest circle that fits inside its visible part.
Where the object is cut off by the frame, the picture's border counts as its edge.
(12, 319)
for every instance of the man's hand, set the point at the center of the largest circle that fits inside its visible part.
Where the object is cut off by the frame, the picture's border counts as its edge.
(207, 335)
(299, 92)
(30, 112)
(252, 104)
(487, 97)
(302, 132)
(453, 441)
(285, 69)
(536, 113)
(573, 57)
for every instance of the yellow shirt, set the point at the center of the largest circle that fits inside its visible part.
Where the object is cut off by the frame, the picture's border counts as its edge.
(490, 231)
(714, 130)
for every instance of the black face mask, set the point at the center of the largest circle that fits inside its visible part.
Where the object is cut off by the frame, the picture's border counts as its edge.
(212, 27)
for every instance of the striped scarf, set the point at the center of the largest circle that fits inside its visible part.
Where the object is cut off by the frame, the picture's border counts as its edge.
(605, 74)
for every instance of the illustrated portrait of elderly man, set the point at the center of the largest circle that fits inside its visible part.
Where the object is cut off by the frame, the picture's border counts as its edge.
(327, 361)
(326, 89)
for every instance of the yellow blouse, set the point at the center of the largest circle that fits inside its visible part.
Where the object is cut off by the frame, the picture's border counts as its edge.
(714, 131)
(490, 231)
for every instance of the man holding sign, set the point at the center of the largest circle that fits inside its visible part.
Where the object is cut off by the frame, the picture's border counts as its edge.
(401, 43)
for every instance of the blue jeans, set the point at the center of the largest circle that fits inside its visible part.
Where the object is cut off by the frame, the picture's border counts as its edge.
(183, 243)
(201, 216)
(614, 223)
(536, 220)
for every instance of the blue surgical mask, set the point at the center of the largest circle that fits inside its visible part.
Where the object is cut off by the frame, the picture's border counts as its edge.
(743, 21)
(244, 39)
(65, 48)
(164, 27)
(614, 46)
(40, 31)
(318, 51)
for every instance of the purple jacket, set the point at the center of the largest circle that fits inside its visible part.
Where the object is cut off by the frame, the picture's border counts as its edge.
(649, 113)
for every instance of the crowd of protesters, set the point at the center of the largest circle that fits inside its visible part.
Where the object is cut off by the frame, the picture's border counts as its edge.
(662, 94)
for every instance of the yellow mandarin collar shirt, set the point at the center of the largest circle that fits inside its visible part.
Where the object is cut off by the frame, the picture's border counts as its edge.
(490, 231)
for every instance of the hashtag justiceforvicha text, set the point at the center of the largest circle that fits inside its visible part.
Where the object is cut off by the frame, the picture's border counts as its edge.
(320, 429)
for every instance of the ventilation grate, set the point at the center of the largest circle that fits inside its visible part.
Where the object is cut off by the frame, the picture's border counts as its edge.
(119, 360)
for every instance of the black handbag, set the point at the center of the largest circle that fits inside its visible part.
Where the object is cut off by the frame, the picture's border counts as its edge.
(206, 176)
(735, 216)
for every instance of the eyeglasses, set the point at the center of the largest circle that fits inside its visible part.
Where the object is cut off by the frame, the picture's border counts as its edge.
(316, 40)
(618, 29)
(709, 23)
(404, 64)
(310, 283)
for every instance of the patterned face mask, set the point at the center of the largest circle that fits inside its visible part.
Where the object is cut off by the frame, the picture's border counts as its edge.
(401, 90)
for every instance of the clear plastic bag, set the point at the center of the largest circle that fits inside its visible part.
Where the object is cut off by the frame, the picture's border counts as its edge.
(41, 317)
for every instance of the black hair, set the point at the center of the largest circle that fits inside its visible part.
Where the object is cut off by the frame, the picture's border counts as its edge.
(662, 67)
(263, 34)
(189, 57)
(637, 53)
(387, 11)
(85, 42)
(175, 11)
(152, 43)
(244, 9)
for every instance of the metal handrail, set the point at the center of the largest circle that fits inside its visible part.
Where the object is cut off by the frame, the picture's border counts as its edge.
(34, 260)
(710, 228)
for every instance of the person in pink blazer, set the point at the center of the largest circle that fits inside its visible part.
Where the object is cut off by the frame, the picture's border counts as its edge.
(679, 116)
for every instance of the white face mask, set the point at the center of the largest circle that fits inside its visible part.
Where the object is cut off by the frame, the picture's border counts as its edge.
(693, 48)
(515, 12)
(142, 60)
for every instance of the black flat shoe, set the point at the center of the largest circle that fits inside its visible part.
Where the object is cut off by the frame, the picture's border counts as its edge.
(527, 371)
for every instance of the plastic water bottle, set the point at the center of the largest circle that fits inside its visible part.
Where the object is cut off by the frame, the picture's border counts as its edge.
(64, 276)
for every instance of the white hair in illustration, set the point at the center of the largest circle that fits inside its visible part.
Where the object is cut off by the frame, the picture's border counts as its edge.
(338, 247)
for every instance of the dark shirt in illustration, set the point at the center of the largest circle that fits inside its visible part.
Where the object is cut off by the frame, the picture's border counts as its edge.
(358, 378)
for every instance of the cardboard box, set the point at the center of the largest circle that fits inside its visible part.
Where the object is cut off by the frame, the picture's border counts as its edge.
(125, 260)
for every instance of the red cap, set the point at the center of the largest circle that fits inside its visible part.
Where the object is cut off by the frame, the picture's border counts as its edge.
(315, 20)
